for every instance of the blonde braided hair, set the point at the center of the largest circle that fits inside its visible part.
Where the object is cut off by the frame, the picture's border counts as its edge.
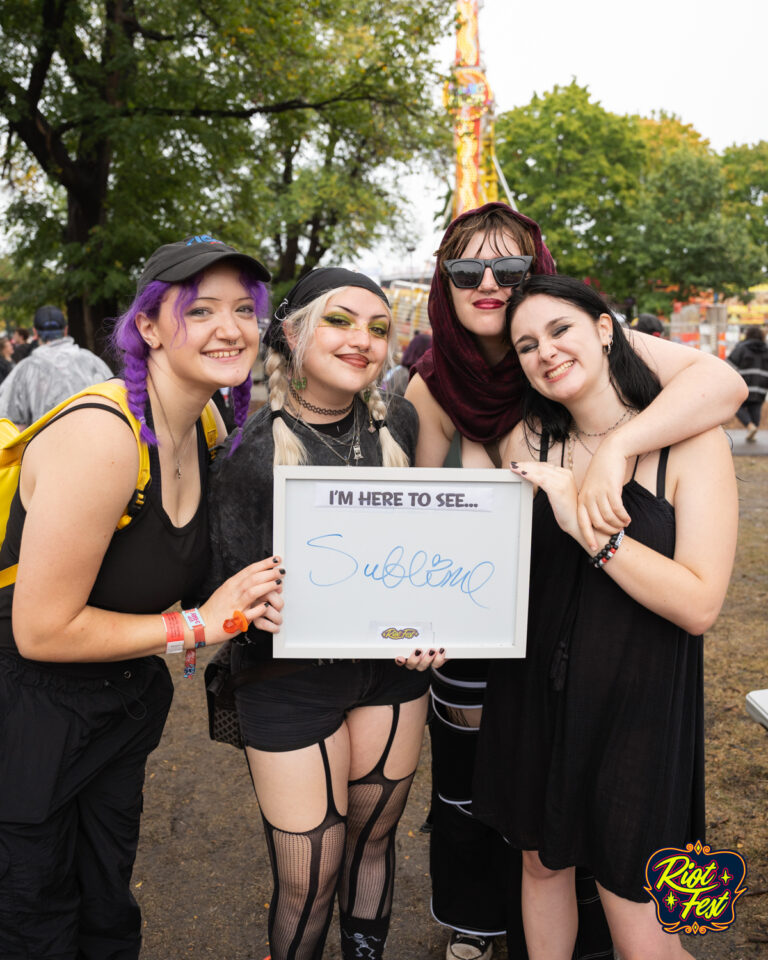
(302, 324)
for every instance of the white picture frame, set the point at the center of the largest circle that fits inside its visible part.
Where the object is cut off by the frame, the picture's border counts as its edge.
(381, 561)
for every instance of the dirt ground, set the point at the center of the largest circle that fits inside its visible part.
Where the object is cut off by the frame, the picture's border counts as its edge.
(202, 877)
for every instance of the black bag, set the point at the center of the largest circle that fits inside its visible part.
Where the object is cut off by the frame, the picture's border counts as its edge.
(220, 685)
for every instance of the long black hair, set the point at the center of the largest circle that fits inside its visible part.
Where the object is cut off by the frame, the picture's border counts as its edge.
(632, 379)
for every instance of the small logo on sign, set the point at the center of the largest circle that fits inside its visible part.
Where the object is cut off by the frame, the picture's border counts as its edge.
(407, 633)
(695, 889)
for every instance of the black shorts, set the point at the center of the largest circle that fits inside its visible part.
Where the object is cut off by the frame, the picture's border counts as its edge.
(306, 706)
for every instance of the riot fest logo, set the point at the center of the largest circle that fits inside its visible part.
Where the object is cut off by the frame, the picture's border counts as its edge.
(695, 889)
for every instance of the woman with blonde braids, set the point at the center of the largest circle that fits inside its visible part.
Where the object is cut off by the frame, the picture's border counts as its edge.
(332, 746)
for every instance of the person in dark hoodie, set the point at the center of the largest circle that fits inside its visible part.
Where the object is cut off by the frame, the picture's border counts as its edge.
(750, 357)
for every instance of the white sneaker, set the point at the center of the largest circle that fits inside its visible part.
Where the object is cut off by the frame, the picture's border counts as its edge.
(469, 946)
(751, 433)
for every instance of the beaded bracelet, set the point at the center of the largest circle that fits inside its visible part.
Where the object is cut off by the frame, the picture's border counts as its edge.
(600, 559)
(196, 624)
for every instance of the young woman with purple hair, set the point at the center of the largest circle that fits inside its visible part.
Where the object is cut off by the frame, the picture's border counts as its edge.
(83, 693)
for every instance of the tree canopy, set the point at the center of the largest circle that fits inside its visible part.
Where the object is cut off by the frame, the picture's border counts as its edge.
(130, 123)
(642, 206)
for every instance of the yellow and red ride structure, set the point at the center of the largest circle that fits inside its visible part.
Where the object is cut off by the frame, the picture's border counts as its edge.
(468, 97)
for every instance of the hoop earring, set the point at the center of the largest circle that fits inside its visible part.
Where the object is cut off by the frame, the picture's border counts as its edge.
(299, 383)
(607, 347)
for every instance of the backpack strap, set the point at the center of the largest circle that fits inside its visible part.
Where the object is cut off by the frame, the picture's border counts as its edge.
(12, 448)
(210, 429)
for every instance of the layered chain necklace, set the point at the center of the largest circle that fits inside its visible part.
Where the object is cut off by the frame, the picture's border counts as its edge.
(577, 434)
(178, 454)
(353, 448)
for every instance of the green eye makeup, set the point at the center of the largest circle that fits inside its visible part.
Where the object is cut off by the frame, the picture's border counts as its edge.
(376, 328)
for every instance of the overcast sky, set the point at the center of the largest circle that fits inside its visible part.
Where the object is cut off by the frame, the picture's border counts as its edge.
(705, 61)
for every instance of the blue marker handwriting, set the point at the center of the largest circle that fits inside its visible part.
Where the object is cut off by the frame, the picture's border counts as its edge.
(421, 570)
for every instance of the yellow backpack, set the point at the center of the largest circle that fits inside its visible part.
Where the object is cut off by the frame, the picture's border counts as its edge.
(13, 442)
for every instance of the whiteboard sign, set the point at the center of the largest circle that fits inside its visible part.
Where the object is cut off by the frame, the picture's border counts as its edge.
(383, 561)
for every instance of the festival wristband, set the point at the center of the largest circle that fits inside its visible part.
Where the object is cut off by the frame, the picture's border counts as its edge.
(190, 662)
(197, 625)
(174, 632)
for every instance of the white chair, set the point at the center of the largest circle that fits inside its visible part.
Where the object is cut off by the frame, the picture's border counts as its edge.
(757, 706)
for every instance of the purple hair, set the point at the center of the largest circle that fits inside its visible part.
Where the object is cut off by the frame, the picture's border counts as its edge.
(132, 350)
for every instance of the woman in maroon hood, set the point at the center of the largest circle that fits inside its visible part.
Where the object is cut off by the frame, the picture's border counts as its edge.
(470, 382)
(467, 391)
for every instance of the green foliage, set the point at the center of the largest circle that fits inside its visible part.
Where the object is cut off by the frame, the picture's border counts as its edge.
(130, 123)
(746, 178)
(572, 166)
(640, 205)
(682, 238)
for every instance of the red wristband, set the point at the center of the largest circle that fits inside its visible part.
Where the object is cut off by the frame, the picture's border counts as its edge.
(197, 625)
(174, 632)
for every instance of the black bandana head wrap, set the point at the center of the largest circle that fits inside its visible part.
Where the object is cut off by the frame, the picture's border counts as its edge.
(482, 401)
(308, 288)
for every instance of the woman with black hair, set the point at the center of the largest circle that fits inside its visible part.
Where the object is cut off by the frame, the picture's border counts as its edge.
(591, 748)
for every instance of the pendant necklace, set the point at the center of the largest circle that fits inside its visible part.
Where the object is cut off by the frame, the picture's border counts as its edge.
(580, 434)
(177, 454)
(354, 451)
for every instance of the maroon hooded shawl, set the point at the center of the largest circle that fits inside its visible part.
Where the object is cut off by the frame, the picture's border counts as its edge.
(482, 401)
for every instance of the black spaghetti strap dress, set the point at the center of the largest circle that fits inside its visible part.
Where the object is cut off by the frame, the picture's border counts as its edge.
(591, 748)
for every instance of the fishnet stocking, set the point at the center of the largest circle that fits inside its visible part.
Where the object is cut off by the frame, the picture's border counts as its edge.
(375, 808)
(375, 805)
(305, 867)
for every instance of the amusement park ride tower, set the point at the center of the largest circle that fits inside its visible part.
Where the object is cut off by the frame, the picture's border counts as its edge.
(469, 98)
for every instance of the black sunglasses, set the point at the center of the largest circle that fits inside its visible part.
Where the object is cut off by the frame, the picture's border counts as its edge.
(467, 272)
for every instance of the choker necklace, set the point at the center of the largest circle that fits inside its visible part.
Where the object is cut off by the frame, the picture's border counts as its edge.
(354, 450)
(326, 411)
(177, 454)
(629, 412)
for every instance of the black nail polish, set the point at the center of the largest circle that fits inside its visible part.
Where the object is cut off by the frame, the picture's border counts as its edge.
(278, 580)
(431, 653)
(267, 603)
(524, 473)
(417, 652)
(513, 464)
(275, 559)
(281, 570)
(441, 650)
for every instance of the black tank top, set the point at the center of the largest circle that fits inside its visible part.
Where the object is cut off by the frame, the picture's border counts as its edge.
(148, 566)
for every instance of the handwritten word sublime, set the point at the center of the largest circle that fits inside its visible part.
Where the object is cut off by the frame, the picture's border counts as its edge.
(422, 569)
